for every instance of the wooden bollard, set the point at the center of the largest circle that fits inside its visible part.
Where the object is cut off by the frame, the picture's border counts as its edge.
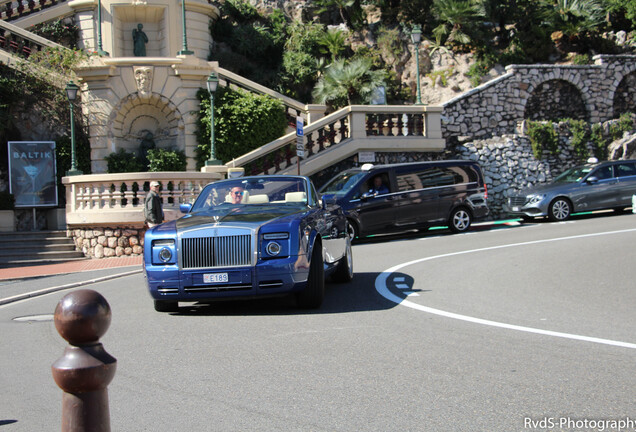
(85, 370)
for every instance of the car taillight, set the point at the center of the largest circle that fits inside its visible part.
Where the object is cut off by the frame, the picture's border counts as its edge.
(485, 191)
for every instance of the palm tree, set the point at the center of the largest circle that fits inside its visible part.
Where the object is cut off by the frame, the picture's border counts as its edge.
(347, 83)
(457, 18)
(333, 43)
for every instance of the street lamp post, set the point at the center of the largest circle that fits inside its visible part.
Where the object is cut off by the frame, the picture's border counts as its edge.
(416, 37)
(184, 49)
(100, 49)
(71, 94)
(213, 83)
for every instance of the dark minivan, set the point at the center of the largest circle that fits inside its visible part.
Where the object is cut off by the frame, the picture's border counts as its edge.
(399, 197)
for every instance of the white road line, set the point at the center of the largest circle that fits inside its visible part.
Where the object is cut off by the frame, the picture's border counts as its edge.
(383, 290)
(29, 295)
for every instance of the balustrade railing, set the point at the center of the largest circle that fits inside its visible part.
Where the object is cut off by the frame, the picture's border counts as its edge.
(21, 42)
(360, 123)
(11, 10)
(115, 199)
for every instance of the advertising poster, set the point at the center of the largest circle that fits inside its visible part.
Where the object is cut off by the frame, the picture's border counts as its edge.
(32, 173)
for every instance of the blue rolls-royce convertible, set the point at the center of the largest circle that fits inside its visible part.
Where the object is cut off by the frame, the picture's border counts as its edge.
(249, 237)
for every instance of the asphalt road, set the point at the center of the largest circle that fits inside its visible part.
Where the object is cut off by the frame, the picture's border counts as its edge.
(521, 328)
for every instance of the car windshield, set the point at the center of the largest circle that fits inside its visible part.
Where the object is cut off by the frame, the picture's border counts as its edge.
(342, 183)
(253, 191)
(573, 175)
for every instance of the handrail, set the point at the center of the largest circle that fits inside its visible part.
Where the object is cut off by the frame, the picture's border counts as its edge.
(23, 42)
(293, 108)
(397, 122)
(11, 10)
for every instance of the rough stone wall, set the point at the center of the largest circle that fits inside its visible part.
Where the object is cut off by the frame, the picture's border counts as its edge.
(108, 242)
(496, 107)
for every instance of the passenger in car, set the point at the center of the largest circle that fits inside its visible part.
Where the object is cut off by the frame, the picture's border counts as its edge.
(236, 194)
(378, 187)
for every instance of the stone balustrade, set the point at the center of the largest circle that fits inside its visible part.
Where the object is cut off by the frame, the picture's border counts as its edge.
(347, 131)
(116, 200)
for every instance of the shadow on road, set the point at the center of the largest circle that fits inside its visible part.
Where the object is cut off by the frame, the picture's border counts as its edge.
(358, 295)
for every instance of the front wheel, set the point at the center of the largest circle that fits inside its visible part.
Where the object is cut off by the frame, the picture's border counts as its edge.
(560, 210)
(459, 220)
(344, 271)
(352, 230)
(314, 293)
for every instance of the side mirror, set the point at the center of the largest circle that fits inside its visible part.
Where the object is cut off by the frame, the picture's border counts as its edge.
(185, 208)
(328, 199)
(591, 180)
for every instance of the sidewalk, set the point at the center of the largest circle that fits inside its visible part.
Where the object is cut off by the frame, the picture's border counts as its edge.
(69, 267)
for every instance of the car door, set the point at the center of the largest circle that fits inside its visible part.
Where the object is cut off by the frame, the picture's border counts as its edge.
(599, 194)
(626, 174)
(376, 213)
(418, 193)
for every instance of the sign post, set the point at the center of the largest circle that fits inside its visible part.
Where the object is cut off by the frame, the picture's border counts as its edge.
(300, 140)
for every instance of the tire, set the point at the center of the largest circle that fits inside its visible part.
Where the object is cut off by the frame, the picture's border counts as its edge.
(352, 230)
(166, 306)
(460, 220)
(314, 293)
(560, 209)
(344, 271)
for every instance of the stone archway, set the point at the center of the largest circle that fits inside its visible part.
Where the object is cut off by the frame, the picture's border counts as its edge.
(624, 97)
(138, 118)
(555, 100)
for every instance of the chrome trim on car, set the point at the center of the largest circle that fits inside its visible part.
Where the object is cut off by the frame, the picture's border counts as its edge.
(215, 288)
(217, 248)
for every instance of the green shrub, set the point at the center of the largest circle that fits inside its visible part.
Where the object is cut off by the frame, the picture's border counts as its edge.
(477, 71)
(166, 160)
(600, 142)
(123, 161)
(582, 59)
(580, 137)
(543, 137)
(242, 122)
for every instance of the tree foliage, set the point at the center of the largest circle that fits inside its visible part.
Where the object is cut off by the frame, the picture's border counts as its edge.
(347, 83)
(242, 123)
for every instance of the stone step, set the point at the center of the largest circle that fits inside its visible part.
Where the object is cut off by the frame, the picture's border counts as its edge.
(37, 247)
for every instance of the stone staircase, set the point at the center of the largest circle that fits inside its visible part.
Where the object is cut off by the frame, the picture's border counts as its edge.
(36, 247)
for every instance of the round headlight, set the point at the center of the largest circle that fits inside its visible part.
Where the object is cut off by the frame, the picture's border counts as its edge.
(165, 255)
(273, 248)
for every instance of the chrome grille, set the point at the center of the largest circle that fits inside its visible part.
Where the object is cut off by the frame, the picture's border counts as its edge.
(517, 200)
(224, 251)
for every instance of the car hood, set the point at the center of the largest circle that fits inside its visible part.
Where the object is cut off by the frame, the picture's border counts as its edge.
(547, 188)
(252, 215)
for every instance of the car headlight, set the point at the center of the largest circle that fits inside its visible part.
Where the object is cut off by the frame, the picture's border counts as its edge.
(275, 245)
(533, 199)
(164, 252)
(273, 248)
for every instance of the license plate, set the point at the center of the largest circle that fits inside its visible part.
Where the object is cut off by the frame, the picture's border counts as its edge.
(516, 208)
(214, 277)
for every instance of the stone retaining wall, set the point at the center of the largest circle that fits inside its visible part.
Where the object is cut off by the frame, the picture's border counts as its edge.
(108, 242)
(596, 93)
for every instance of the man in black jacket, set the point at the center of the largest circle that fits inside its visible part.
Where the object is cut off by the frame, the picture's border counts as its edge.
(152, 206)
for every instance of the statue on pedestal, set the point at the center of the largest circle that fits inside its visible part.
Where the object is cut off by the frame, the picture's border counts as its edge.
(140, 40)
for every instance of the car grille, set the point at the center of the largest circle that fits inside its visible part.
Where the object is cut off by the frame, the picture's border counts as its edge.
(224, 251)
(517, 200)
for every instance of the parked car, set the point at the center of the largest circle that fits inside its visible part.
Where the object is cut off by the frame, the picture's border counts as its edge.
(249, 237)
(593, 186)
(398, 197)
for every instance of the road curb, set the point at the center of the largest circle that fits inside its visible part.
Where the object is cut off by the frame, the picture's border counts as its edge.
(45, 291)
